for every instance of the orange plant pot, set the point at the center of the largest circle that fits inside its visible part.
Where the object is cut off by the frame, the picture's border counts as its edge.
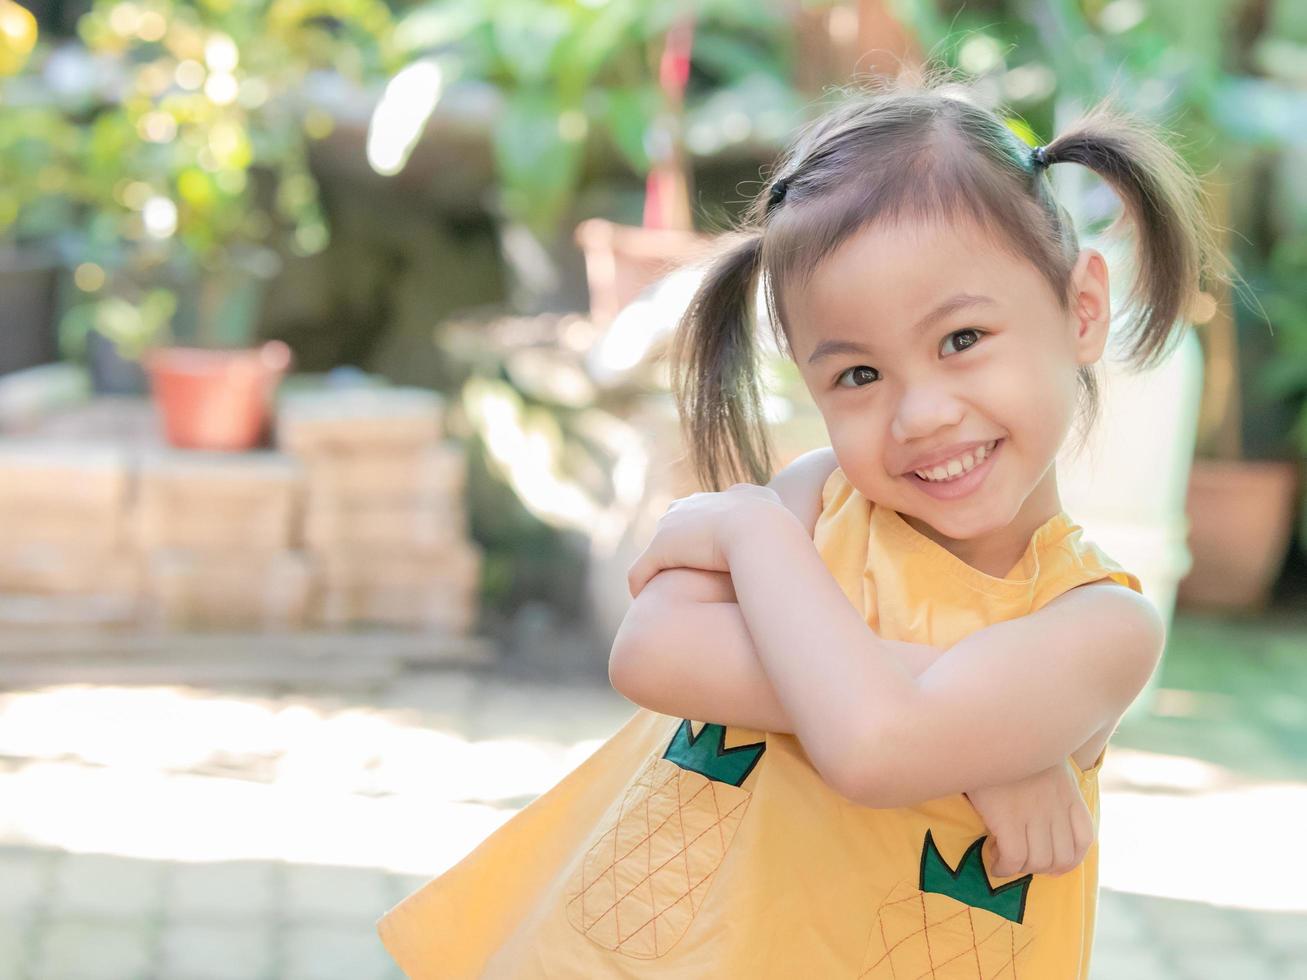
(1241, 516)
(622, 260)
(216, 399)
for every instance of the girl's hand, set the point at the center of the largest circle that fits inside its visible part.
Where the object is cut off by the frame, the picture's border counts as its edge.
(694, 530)
(1038, 825)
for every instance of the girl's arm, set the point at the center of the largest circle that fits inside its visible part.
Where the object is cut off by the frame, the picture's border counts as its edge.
(683, 648)
(686, 620)
(1009, 700)
(703, 666)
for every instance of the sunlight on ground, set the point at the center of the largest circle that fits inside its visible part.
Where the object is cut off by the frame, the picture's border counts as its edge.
(172, 774)
(1175, 827)
(168, 774)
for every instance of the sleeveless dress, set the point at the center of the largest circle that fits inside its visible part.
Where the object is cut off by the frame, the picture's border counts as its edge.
(683, 848)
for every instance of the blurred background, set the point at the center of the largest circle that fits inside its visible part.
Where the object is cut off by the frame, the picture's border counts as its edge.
(333, 410)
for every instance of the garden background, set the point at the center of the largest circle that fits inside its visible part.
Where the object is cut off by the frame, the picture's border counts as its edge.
(333, 409)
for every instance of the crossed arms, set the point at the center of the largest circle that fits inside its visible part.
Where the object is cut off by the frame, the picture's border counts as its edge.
(1009, 701)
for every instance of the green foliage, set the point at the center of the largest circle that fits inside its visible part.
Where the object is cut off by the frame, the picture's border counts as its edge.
(37, 158)
(1225, 96)
(1285, 301)
(191, 157)
(210, 98)
(131, 327)
(570, 72)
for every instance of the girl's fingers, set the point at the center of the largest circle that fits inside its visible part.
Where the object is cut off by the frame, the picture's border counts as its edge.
(1010, 851)
(1039, 846)
(989, 852)
(635, 578)
(641, 571)
(1082, 827)
(1064, 847)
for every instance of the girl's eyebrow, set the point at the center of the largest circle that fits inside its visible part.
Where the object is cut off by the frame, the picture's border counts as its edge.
(828, 348)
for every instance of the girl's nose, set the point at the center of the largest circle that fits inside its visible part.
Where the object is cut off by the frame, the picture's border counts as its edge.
(923, 411)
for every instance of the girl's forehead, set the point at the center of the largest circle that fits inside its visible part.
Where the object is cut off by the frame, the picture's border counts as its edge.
(907, 254)
(889, 277)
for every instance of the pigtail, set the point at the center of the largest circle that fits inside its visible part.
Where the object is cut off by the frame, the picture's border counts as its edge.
(714, 371)
(1176, 249)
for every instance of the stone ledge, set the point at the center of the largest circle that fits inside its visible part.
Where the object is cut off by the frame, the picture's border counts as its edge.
(310, 644)
(55, 656)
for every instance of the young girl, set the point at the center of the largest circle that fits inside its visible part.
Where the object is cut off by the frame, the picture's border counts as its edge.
(906, 682)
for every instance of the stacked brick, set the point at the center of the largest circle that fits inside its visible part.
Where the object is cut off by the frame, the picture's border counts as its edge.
(65, 550)
(359, 519)
(216, 535)
(384, 515)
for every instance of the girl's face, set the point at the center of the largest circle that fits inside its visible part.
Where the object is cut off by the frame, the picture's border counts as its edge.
(921, 342)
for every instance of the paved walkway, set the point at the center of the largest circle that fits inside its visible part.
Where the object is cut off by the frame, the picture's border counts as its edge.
(257, 831)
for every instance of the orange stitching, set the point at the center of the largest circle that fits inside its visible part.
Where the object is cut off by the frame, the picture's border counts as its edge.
(621, 812)
(1012, 947)
(718, 810)
(685, 853)
(925, 933)
(1015, 953)
(975, 946)
(925, 929)
(659, 868)
(901, 901)
(613, 827)
(885, 942)
(650, 833)
(655, 830)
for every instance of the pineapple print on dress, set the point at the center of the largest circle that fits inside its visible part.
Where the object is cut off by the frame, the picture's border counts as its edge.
(642, 881)
(950, 924)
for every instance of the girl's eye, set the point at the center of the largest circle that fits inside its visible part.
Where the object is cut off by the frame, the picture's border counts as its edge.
(969, 330)
(862, 371)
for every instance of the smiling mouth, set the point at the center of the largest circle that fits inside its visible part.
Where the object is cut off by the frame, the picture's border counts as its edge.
(957, 469)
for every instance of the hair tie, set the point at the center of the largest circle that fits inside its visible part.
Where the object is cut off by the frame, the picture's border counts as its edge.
(1039, 157)
(777, 192)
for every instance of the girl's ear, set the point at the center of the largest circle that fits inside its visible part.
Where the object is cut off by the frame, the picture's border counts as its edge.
(1091, 308)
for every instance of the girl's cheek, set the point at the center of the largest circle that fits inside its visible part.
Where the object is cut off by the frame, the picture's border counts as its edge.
(861, 457)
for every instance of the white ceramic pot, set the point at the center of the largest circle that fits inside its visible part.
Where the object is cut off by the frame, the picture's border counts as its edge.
(1127, 488)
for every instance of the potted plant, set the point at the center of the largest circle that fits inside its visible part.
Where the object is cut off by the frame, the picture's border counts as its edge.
(568, 86)
(621, 260)
(1245, 484)
(1217, 109)
(1244, 510)
(1285, 301)
(193, 183)
(36, 163)
(1241, 501)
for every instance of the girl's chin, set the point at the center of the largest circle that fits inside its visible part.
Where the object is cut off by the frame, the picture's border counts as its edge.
(957, 530)
(960, 520)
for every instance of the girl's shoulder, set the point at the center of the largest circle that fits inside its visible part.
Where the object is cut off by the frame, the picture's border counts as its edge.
(800, 484)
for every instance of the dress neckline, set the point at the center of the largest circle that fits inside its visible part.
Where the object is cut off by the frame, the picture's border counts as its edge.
(1020, 578)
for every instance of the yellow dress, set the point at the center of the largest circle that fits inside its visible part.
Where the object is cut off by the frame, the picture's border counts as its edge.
(681, 848)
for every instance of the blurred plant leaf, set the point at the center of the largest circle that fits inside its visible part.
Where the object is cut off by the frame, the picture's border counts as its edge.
(538, 164)
(527, 33)
(731, 56)
(1260, 111)
(627, 112)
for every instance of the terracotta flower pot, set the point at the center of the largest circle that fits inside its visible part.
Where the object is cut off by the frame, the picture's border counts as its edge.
(621, 260)
(216, 399)
(1240, 526)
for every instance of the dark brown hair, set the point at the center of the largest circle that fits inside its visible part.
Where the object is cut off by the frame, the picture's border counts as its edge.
(925, 150)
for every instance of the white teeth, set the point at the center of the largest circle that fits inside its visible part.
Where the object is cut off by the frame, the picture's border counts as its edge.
(958, 465)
